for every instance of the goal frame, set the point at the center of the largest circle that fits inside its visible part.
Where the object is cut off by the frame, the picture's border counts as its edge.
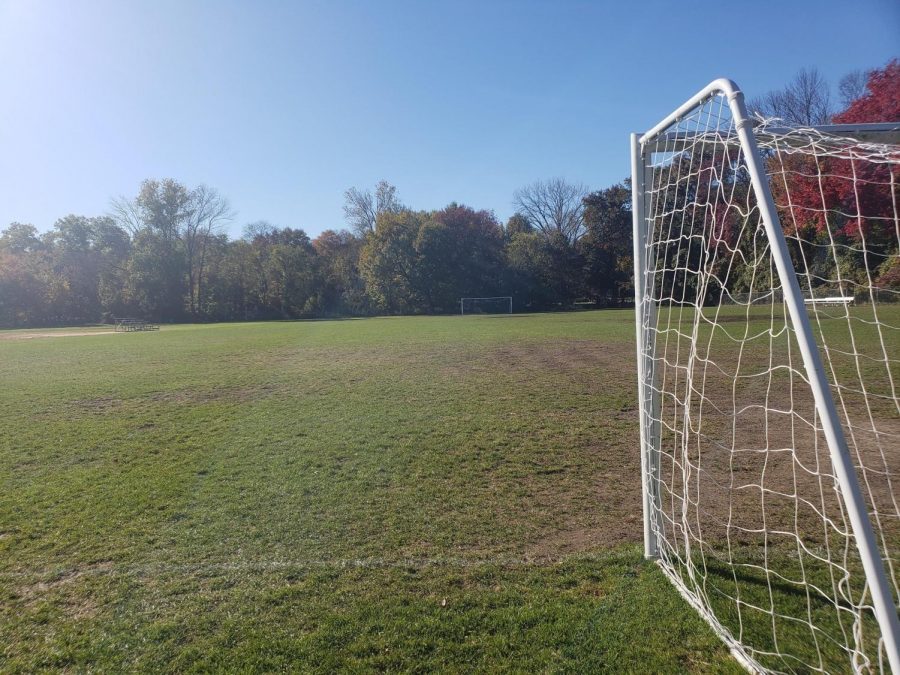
(462, 301)
(642, 146)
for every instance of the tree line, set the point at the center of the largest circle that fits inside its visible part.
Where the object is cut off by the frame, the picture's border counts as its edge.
(162, 254)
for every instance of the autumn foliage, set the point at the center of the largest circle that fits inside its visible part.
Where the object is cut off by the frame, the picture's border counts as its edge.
(840, 195)
(881, 102)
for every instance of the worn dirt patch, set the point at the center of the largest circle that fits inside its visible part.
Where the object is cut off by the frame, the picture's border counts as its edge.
(600, 509)
(104, 404)
(101, 404)
(63, 590)
(579, 358)
(596, 498)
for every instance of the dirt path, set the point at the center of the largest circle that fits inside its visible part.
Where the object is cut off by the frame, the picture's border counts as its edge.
(21, 335)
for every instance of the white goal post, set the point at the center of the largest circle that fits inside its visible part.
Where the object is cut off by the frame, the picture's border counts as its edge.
(767, 296)
(501, 304)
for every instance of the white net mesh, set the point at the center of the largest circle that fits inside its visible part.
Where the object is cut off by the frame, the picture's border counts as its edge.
(749, 516)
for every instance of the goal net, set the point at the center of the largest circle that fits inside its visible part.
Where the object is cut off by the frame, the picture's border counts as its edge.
(495, 305)
(767, 289)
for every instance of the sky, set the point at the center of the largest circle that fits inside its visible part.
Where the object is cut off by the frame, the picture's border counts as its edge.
(282, 106)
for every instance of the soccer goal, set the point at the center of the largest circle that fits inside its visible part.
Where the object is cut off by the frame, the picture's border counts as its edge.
(767, 288)
(502, 304)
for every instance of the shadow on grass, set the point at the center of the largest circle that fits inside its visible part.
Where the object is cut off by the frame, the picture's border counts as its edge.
(780, 586)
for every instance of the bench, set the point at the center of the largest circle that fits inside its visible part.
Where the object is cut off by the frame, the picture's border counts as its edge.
(131, 325)
(831, 300)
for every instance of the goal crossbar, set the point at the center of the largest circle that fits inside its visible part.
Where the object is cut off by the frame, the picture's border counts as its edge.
(714, 127)
(876, 132)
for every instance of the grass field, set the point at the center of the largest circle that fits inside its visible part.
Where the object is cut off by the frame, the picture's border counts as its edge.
(434, 493)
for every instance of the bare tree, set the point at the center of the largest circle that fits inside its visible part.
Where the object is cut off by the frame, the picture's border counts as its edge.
(258, 228)
(205, 217)
(852, 86)
(160, 206)
(175, 213)
(553, 206)
(361, 209)
(805, 101)
(126, 212)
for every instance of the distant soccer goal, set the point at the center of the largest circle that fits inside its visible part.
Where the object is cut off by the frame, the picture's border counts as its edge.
(767, 288)
(502, 304)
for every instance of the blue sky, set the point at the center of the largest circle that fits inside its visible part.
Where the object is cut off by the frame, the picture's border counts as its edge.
(284, 105)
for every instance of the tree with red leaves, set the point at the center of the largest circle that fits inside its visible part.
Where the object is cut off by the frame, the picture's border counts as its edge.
(848, 201)
(881, 103)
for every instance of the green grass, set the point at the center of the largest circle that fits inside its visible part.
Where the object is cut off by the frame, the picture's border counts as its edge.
(455, 494)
